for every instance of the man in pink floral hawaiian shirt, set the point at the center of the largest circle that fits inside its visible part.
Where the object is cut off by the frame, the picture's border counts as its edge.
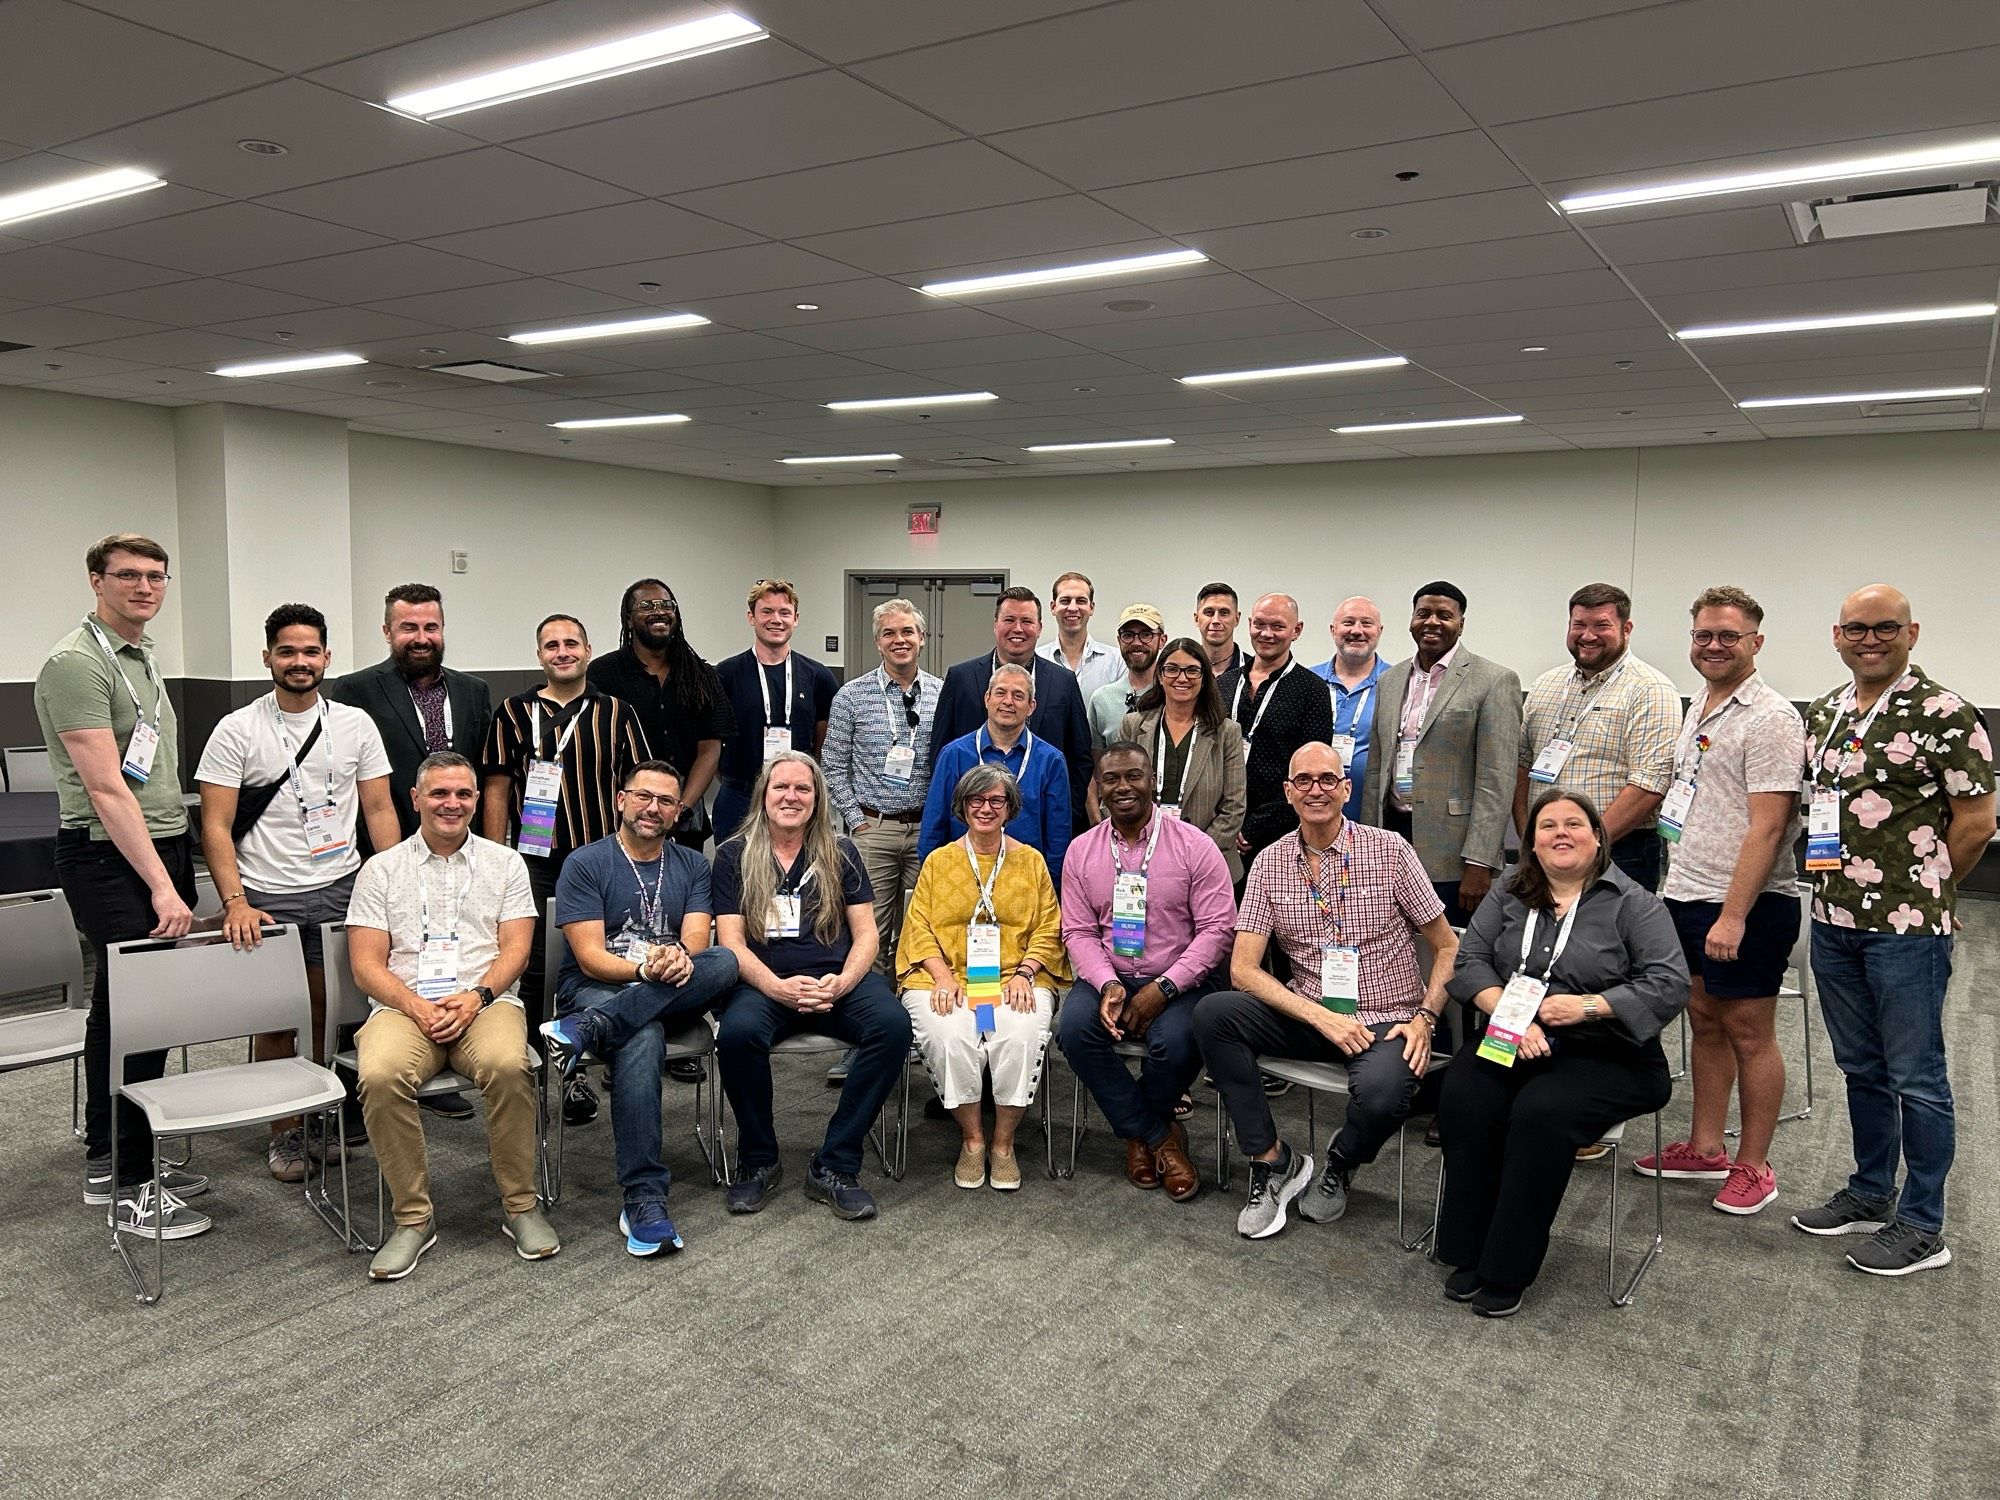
(1899, 791)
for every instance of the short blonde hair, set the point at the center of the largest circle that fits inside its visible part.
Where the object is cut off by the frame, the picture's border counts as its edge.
(763, 588)
(1727, 596)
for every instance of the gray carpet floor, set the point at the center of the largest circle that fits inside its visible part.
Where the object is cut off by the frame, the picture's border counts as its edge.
(1075, 1338)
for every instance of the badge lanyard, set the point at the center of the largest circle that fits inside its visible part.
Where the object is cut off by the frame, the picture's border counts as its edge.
(777, 737)
(1027, 750)
(1344, 742)
(1263, 701)
(1128, 894)
(982, 944)
(1555, 754)
(1171, 807)
(437, 955)
(138, 763)
(1679, 798)
(446, 688)
(1340, 961)
(650, 910)
(790, 905)
(1823, 844)
(1410, 729)
(544, 785)
(1522, 997)
(325, 838)
(899, 761)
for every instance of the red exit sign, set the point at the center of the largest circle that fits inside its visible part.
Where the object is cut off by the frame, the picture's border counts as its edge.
(924, 520)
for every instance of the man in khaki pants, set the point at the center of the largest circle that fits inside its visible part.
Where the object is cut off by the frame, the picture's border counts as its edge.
(438, 933)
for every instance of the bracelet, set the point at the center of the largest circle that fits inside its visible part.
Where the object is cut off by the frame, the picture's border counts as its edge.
(239, 896)
(1427, 1016)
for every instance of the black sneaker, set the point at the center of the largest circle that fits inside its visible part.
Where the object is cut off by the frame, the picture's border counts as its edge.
(1459, 1286)
(1492, 1301)
(1276, 1088)
(1899, 1249)
(752, 1186)
(839, 1190)
(686, 1070)
(579, 1103)
(1843, 1213)
(451, 1106)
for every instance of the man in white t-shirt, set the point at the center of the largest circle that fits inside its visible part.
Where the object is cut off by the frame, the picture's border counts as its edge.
(283, 782)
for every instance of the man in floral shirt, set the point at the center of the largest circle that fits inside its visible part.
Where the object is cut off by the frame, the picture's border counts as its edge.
(1899, 792)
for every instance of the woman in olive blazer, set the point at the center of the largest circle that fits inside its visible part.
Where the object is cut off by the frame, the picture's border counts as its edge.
(1210, 788)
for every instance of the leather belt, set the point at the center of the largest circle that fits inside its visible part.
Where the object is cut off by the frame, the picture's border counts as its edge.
(876, 813)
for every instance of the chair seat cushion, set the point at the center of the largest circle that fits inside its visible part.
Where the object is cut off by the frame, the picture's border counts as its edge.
(44, 1037)
(243, 1094)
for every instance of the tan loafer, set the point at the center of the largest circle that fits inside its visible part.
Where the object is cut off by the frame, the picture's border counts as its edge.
(971, 1169)
(1005, 1172)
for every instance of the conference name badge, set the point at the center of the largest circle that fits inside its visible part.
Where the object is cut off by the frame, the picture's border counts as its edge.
(1340, 978)
(899, 764)
(1823, 830)
(139, 754)
(325, 838)
(437, 968)
(1549, 764)
(787, 924)
(777, 740)
(1406, 767)
(1128, 914)
(1674, 809)
(1343, 746)
(982, 973)
(1519, 1003)
(538, 808)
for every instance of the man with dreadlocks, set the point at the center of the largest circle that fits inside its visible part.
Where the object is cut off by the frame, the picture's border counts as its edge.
(677, 695)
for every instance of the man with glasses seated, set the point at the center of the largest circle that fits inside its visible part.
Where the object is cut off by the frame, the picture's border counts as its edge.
(635, 910)
(1043, 822)
(1345, 903)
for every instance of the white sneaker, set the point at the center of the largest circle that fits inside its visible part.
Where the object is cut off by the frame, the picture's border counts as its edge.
(155, 1211)
(1263, 1214)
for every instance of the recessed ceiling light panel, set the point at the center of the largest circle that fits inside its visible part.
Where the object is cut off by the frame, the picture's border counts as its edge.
(1127, 266)
(649, 419)
(1958, 312)
(1419, 426)
(1093, 447)
(1962, 154)
(894, 403)
(622, 328)
(75, 192)
(1934, 393)
(1288, 372)
(291, 366)
(845, 458)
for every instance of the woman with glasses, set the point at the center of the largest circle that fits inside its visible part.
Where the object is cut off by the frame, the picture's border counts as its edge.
(979, 962)
(1578, 967)
(1197, 748)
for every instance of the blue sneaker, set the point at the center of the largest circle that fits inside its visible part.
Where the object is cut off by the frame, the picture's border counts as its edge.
(839, 1190)
(569, 1039)
(648, 1230)
(752, 1185)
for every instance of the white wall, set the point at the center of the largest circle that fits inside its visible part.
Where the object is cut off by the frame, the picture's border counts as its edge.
(544, 535)
(289, 528)
(1799, 523)
(71, 469)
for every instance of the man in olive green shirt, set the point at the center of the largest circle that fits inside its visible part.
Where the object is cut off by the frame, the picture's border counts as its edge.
(123, 855)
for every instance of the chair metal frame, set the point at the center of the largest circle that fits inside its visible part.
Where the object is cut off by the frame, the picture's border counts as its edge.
(1802, 965)
(244, 992)
(38, 935)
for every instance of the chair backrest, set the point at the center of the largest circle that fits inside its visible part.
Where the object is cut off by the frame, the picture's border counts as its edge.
(207, 903)
(179, 994)
(346, 1004)
(38, 947)
(28, 769)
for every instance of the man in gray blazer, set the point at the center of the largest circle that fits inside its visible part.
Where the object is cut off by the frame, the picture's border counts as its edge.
(1446, 737)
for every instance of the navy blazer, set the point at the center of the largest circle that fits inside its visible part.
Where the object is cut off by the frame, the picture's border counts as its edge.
(1059, 720)
(380, 692)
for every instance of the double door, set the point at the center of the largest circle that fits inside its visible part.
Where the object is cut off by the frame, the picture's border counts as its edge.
(957, 607)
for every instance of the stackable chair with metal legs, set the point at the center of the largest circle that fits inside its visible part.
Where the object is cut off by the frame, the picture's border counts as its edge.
(177, 994)
(1802, 966)
(39, 952)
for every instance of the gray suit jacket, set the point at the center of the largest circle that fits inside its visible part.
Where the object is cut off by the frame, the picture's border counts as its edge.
(1212, 789)
(1466, 754)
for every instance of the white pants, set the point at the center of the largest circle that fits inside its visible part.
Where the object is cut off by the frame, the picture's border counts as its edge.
(956, 1055)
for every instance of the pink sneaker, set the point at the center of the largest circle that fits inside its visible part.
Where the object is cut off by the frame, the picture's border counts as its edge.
(1680, 1161)
(1748, 1189)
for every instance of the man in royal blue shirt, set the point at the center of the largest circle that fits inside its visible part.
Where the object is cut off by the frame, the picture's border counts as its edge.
(1005, 740)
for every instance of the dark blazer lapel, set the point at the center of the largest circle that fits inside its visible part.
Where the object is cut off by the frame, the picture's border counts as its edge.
(402, 707)
(458, 692)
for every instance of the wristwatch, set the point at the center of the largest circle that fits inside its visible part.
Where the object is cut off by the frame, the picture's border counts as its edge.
(485, 995)
(1167, 987)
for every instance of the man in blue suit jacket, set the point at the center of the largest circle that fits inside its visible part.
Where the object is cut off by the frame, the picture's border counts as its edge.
(1058, 723)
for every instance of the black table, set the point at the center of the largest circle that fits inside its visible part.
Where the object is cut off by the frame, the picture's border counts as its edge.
(27, 841)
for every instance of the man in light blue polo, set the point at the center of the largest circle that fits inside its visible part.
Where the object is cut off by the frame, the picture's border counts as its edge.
(1353, 672)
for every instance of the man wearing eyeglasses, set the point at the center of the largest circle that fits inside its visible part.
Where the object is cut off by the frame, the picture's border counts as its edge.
(877, 760)
(1007, 739)
(1604, 726)
(1899, 789)
(123, 856)
(1142, 635)
(1345, 904)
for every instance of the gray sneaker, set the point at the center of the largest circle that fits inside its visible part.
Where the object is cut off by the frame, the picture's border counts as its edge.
(1899, 1249)
(401, 1251)
(533, 1236)
(1264, 1214)
(148, 1212)
(1843, 1213)
(97, 1182)
(837, 1074)
(287, 1156)
(1326, 1199)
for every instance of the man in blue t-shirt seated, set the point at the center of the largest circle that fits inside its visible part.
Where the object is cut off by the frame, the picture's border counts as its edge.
(635, 911)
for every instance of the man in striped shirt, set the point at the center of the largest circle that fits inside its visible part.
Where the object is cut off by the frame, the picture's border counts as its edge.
(552, 763)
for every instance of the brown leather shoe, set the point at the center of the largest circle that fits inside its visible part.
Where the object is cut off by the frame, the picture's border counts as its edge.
(1140, 1169)
(1177, 1172)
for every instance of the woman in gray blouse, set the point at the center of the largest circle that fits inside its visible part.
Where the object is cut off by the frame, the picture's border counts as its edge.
(1516, 1105)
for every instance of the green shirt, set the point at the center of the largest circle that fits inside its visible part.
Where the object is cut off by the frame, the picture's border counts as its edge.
(1923, 746)
(77, 689)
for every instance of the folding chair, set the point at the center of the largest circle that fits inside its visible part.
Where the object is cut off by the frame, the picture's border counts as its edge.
(166, 994)
(1801, 965)
(347, 1009)
(897, 1165)
(696, 1040)
(28, 768)
(38, 939)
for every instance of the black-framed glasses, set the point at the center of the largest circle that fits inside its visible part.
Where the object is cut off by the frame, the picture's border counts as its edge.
(1881, 630)
(1174, 670)
(651, 799)
(1324, 781)
(1716, 637)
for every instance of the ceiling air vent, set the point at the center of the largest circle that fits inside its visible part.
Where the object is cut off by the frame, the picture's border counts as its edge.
(1951, 406)
(486, 369)
(1944, 206)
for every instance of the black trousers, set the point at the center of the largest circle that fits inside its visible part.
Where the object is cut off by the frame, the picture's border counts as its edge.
(1510, 1142)
(112, 905)
(543, 872)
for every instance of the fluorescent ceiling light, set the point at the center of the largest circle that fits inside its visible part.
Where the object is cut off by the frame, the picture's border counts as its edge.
(647, 50)
(890, 403)
(1088, 447)
(1965, 153)
(1011, 279)
(291, 365)
(98, 187)
(1961, 312)
(654, 419)
(1446, 422)
(1936, 393)
(623, 328)
(846, 458)
(1286, 372)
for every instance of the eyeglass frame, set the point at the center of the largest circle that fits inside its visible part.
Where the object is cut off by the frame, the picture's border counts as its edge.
(1317, 780)
(1854, 632)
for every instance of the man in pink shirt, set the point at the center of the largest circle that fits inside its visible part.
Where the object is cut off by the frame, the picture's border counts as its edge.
(1147, 916)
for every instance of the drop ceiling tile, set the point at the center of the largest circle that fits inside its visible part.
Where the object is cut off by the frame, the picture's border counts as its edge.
(192, 304)
(751, 133)
(1356, 106)
(584, 239)
(1723, 231)
(1954, 343)
(1514, 213)
(850, 195)
(1836, 295)
(837, 302)
(186, 346)
(1554, 327)
(226, 238)
(1225, 327)
(1048, 227)
(421, 200)
(376, 275)
(1120, 56)
(294, 37)
(413, 420)
(133, 72)
(869, 28)
(31, 366)
(1974, 247)
(900, 330)
(1444, 23)
(328, 328)
(957, 353)
(686, 279)
(327, 135)
(1078, 369)
(512, 306)
(1352, 276)
(1556, 290)
(693, 350)
(150, 208)
(760, 374)
(57, 273)
(50, 328)
(1196, 290)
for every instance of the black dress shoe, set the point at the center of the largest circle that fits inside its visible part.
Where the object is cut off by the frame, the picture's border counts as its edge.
(686, 1070)
(1492, 1301)
(1459, 1286)
(451, 1106)
(579, 1103)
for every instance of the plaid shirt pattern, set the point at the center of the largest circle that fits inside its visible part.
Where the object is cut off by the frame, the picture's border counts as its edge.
(1623, 730)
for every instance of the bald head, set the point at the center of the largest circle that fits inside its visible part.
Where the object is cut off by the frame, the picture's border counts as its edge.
(1274, 625)
(1876, 601)
(1356, 631)
(1875, 636)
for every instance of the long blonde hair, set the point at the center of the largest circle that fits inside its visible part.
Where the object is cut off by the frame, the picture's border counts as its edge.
(821, 852)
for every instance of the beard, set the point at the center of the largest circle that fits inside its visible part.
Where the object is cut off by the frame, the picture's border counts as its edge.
(417, 659)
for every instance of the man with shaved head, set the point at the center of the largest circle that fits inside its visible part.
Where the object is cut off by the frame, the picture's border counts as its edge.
(1899, 789)
(1279, 706)
(1352, 675)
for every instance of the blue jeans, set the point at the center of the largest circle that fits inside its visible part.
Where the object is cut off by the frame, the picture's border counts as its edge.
(1882, 994)
(632, 1022)
(1142, 1108)
(868, 1017)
